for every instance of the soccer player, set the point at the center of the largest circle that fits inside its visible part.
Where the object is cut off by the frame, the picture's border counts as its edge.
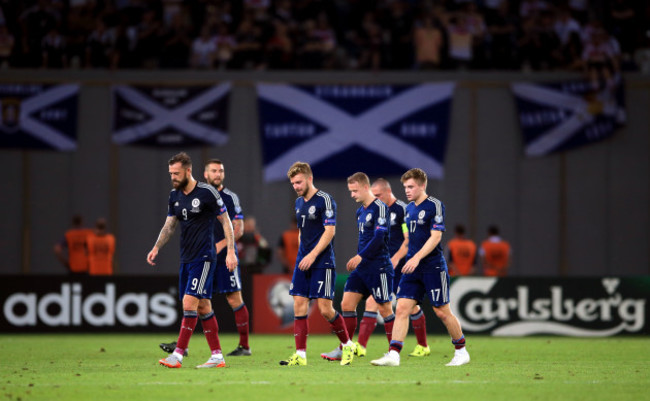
(195, 205)
(225, 281)
(315, 275)
(425, 271)
(372, 271)
(397, 246)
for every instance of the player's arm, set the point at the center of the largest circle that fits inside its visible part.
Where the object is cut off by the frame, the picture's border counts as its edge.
(165, 234)
(403, 249)
(323, 242)
(231, 259)
(426, 249)
(238, 228)
(371, 248)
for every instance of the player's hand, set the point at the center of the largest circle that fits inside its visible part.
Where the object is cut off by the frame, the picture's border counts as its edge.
(231, 260)
(152, 256)
(353, 262)
(306, 262)
(410, 265)
(394, 261)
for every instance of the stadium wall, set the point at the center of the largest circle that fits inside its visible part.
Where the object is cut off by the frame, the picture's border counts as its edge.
(579, 213)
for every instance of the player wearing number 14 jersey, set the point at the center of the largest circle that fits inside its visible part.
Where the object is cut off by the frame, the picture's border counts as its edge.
(425, 272)
(372, 270)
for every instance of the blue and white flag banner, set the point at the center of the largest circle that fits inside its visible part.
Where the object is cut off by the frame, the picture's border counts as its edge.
(39, 116)
(170, 116)
(342, 129)
(566, 115)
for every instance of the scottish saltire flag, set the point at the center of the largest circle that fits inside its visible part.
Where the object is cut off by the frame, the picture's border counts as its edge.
(38, 116)
(170, 115)
(566, 115)
(342, 129)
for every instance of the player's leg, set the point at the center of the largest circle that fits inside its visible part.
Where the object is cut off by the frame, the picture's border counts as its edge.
(349, 312)
(437, 285)
(238, 306)
(300, 291)
(419, 324)
(211, 331)
(367, 326)
(409, 292)
(193, 289)
(400, 328)
(323, 283)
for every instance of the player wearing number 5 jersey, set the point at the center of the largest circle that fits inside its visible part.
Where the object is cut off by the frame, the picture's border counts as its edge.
(196, 206)
(314, 276)
(372, 270)
(425, 272)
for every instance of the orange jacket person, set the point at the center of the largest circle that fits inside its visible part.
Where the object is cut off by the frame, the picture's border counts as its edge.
(101, 248)
(74, 242)
(462, 254)
(495, 254)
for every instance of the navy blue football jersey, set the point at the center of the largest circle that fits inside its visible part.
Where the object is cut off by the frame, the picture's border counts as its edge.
(421, 220)
(234, 212)
(396, 211)
(312, 217)
(371, 221)
(197, 212)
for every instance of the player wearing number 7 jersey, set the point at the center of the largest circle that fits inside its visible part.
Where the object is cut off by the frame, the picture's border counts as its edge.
(315, 275)
(425, 271)
(372, 270)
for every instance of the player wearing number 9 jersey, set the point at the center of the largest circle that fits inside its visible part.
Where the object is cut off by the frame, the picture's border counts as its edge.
(314, 276)
(196, 206)
(425, 271)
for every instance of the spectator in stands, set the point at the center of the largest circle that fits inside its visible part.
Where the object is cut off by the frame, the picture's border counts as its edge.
(540, 46)
(54, 50)
(226, 43)
(623, 25)
(279, 49)
(204, 50)
(371, 45)
(176, 43)
(400, 27)
(149, 46)
(428, 41)
(100, 47)
(502, 30)
(72, 250)
(495, 254)
(36, 22)
(247, 53)
(601, 58)
(101, 248)
(7, 43)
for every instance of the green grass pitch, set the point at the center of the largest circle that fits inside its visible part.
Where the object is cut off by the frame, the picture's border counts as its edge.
(124, 367)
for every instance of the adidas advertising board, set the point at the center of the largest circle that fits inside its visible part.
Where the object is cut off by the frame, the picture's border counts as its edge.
(585, 307)
(66, 304)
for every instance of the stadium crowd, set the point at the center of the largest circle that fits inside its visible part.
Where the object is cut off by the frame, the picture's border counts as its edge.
(324, 34)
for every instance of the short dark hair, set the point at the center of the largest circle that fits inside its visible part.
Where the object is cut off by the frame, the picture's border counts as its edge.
(460, 229)
(493, 230)
(213, 161)
(182, 158)
(381, 182)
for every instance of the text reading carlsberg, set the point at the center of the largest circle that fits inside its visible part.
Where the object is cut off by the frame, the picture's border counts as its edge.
(586, 307)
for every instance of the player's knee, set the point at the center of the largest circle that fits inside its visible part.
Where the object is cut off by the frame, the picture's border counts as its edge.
(402, 310)
(442, 313)
(348, 306)
(385, 309)
(327, 311)
(234, 299)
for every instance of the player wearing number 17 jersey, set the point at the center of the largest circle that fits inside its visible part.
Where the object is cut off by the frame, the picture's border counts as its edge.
(314, 276)
(425, 272)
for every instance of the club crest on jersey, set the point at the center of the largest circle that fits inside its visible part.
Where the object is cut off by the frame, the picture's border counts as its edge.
(237, 209)
(438, 219)
(329, 213)
(195, 205)
(219, 202)
(393, 217)
(421, 216)
(311, 211)
(381, 221)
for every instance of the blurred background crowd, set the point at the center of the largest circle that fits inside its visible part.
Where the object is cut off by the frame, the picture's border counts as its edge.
(325, 34)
